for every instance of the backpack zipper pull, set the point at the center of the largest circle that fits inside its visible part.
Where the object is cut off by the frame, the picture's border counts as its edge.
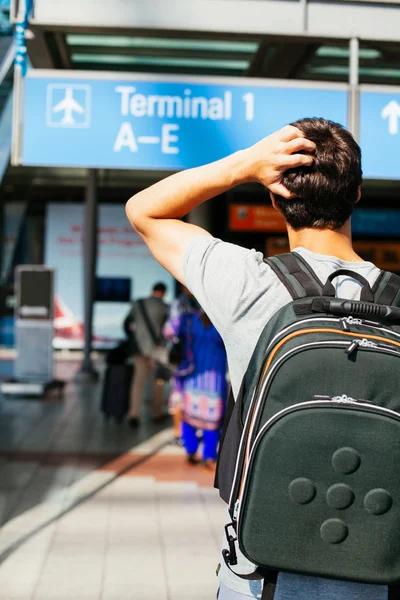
(236, 510)
(368, 343)
(347, 321)
(231, 539)
(352, 347)
(344, 323)
(344, 399)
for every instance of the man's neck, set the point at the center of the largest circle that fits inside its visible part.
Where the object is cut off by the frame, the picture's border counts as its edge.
(325, 241)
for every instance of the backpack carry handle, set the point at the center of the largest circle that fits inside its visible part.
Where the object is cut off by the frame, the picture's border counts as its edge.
(366, 292)
(355, 308)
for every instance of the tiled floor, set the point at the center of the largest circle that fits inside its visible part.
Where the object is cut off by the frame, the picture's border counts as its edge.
(94, 511)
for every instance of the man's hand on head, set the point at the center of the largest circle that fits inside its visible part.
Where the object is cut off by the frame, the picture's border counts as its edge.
(267, 160)
(155, 212)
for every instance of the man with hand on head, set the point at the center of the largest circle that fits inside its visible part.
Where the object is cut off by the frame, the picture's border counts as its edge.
(312, 170)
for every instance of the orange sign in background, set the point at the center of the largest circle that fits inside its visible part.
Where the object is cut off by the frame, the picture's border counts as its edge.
(276, 245)
(385, 255)
(253, 217)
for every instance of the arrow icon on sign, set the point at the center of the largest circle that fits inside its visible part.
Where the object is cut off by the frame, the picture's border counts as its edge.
(392, 112)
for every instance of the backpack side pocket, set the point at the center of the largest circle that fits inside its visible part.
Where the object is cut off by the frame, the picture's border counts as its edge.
(229, 450)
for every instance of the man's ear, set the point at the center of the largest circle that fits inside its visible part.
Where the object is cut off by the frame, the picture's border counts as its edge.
(273, 200)
(358, 194)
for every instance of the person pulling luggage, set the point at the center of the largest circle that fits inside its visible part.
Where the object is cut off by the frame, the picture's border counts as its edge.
(146, 319)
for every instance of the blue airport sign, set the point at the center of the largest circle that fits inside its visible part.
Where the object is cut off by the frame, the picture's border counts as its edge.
(380, 132)
(159, 122)
(366, 221)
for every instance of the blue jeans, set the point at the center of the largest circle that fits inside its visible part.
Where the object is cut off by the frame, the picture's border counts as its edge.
(301, 587)
(298, 587)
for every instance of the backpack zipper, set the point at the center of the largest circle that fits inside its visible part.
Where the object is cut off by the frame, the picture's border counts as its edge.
(344, 321)
(316, 330)
(255, 405)
(350, 320)
(328, 401)
(344, 399)
(353, 346)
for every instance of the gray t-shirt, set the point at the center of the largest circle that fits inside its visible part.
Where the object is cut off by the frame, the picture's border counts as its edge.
(240, 293)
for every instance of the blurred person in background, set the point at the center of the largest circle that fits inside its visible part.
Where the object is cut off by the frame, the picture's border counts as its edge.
(144, 325)
(201, 386)
(185, 304)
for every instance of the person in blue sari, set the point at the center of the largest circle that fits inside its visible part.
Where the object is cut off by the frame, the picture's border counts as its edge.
(200, 379)
(185, 303)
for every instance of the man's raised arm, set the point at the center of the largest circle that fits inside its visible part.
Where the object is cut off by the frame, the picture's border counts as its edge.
(155, 212)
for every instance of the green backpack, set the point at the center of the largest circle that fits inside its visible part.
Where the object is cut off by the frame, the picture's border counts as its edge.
(310, 460)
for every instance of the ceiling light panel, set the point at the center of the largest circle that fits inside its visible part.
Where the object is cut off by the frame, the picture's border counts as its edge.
(111, 41)
(161, 61)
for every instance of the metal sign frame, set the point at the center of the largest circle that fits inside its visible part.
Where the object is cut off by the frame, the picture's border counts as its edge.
(371, 162)
(353, 89)
(65, 75)
(216, 79)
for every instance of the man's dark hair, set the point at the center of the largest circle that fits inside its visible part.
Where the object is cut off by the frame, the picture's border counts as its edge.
(160, 287)
(327, 191)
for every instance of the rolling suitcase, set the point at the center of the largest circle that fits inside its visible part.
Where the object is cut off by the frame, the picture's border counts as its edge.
(117, 384)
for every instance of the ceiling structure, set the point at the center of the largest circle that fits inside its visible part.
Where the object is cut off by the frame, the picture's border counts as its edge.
(305, 59)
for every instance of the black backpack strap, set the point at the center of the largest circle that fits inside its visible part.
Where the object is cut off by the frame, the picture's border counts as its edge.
(227, 417)
(296, 275)
(386, 289)
(149, 326)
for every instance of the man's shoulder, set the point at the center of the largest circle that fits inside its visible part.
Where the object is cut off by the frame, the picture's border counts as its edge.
(232, 284)
(226, 267)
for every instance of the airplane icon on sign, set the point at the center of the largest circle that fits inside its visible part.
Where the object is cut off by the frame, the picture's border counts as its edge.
(69, 106)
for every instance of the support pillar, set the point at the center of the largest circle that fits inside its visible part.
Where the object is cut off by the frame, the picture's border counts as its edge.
(87, 372)
(354, 94)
